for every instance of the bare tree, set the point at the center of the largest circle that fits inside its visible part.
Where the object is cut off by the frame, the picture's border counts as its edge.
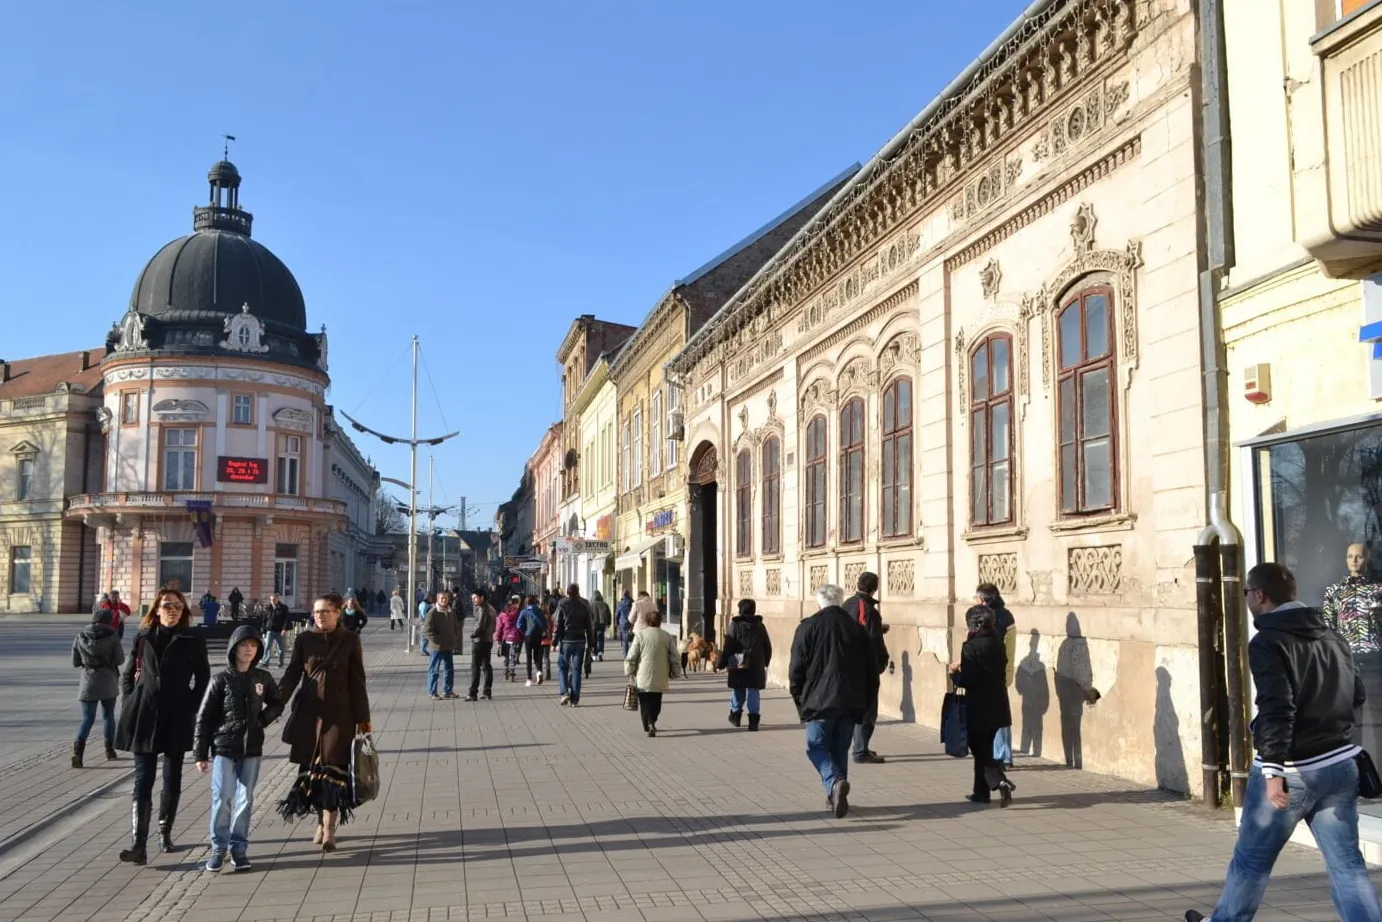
(389, 520)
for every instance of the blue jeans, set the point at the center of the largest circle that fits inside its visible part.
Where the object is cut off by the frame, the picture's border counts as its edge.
(441, 665)
(275, 639)
(570, 664)
(1003, 746)
(827, 746)
(737, 697)
(1327, 800)
(89, 719)
(232, 799)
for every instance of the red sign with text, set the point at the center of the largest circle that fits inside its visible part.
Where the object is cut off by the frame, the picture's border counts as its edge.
(242, 470)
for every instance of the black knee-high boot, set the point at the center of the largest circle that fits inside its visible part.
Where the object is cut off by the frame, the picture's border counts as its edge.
(140, 813)
(167, 816)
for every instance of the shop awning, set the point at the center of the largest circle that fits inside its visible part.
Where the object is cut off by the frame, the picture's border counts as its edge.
(631, 558)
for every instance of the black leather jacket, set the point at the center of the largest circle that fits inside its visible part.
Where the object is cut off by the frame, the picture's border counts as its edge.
(575, 623)
(237, 707)
(1307, 688)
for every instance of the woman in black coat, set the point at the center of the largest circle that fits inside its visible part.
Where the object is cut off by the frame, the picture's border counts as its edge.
(746, 653)
(982, 672)
(163, 684)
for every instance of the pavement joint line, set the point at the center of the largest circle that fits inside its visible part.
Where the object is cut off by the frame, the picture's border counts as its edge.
(39, 826)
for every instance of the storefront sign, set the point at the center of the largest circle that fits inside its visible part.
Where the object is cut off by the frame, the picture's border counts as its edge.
(524, 563)
(591, 546)
(242, 470)
(604, 528)
(662, 520)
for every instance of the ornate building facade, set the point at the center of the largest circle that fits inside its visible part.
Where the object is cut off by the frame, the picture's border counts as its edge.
(546, 465)
(979, 362)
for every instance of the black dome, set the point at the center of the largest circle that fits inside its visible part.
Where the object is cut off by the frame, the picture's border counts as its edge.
(217, 272)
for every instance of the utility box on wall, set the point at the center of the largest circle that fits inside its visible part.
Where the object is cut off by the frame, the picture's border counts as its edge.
(1257, 383)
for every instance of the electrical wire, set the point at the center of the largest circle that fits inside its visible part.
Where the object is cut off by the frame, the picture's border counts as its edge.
(431, 384)
(382, 377)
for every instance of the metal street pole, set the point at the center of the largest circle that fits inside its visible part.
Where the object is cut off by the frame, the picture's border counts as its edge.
(431, 527)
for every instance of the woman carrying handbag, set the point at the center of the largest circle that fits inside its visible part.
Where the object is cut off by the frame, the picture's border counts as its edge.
(982, 673)
(327, 673)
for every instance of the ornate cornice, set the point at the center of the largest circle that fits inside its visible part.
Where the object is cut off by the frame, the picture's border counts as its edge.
(637, 352)
(859, 323)
(1053, 51)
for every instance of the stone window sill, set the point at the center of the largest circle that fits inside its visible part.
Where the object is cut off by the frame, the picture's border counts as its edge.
(1119, 521)
(995, 535)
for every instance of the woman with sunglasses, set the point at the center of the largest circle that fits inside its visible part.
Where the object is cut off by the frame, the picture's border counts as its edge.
(161, 689)
(327, 672)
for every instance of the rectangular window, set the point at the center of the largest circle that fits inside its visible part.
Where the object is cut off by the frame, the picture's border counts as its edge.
(129, 408)
(743, 504)
(772, 496)
(991, 435)
(637, 447)
(286, 572)
(179, 459)
(289, 465)
(852, 472)
(175, 566)
(1085, 429)
(815, 483)
(26, 478)
(897, 459)
(20, 558)
(655, 441)
(673, 402)
(242, 409)
(626, 463)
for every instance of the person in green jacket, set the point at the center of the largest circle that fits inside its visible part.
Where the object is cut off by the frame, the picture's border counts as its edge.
(652, 662)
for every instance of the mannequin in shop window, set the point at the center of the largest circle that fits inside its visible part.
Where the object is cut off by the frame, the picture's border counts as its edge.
(1352, 606)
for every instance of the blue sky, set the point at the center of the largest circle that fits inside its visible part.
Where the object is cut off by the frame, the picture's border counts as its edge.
(478, 174)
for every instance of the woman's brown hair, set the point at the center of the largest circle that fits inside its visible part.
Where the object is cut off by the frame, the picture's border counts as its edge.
(332, 599)
(653, 618)
(151, 616)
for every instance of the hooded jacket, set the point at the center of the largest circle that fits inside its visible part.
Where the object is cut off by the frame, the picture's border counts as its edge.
(834, 670)
(1307, 692)
(532, 622)
(98, 653)
(237, 707)
(747, 637)
(506, 626)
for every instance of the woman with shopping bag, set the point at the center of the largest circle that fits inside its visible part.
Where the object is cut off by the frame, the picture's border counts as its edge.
(982, 673)
(652, 662)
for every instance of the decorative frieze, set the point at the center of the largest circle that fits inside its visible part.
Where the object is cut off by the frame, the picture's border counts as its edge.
(773, 581)
(818, 577)
(746, 584)
(903, 349)
(902, 578)
(989, 189)
(1096, 570)
(999, 569)
(892, 257)
(210, 374)
(853, 570)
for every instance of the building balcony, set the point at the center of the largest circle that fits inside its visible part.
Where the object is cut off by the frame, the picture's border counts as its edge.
(1342, 228)
(88, 505)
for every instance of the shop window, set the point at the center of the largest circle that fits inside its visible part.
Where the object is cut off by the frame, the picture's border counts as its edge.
(990, 432)
(772, 496)
(175, 566)
(179, 459)
(1086, 427)
(897, 459)
(743, 504)
(852, 472)
(242, 409)
(21, 557)
(815, 483)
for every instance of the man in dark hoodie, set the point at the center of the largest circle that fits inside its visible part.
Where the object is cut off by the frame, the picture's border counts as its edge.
(832, 679)
(1308, 691)
(240, 702)
(746, 655)
(98, 653)
(988, 595)
(864, 607)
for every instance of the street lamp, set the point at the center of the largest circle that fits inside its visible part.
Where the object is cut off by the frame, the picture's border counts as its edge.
(413, 442)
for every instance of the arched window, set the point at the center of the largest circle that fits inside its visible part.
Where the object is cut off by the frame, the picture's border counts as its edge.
(815, 483)
(852, 472)
(743, 504)
(772, 496)
(897, 459)
(991, 431)
(1086, 419)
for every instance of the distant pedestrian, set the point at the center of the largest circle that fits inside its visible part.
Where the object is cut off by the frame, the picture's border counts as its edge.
(398, 611)
(354, 617)
(381, 603)
(832, 678)
(651, 664)
(237, 603)
(102, 604)
(988, 594)
(643, 610)
(621, 620)
(278, 625)
(981, 671)
(161, 688)
(240, 702)
(745, 656)
(532, 624)
(575, 632)
(423, 607)
(481, 647)
(509, 639)
(1308, 693)
(603, 618)
(121, 612)
(864, 607)
(442, 635)
(98, 653)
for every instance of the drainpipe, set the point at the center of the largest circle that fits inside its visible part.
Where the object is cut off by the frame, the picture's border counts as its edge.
(1219, 548)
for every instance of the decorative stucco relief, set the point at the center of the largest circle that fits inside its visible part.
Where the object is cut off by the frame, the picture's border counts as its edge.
(999, 569)
(1095, 570)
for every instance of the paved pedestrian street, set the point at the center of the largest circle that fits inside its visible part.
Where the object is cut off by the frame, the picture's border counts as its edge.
(517, 808)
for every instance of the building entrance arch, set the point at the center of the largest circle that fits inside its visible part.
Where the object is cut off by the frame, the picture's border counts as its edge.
(703, 557)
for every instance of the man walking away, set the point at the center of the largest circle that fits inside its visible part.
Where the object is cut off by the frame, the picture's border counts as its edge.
(1307, 693)
(441, 634)
(864, 607)
(622, 614)
(278, 623)
(574, 633)
(600, 608)
(832, 679)
(481, 647)
(532, 624)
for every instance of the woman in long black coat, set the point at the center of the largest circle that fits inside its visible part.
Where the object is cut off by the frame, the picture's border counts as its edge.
(746, 655)
(982, 673)
(162, 687)
(328, 673)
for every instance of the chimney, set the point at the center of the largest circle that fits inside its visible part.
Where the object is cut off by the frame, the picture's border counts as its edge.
(86, 360)
(4, 371)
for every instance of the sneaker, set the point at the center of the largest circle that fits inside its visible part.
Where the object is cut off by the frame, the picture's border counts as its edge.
(240, 862)
(530, 683)
(565, 700)
(539, 678)
(487, 696)
(1005, 793)
(471, 698)
(575, 702)
(451, 695)
(839, 798)
(869, 758)
(434, 696)
(215, 862)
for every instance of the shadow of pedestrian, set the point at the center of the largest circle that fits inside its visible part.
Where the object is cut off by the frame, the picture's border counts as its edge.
(1171, 774)
(907, 707)
(1033, 686)
(1074, 678)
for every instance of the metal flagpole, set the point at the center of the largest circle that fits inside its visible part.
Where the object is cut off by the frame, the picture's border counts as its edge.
(431, 527)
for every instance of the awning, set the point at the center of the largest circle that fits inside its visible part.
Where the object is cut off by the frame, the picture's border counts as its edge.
(630, 559)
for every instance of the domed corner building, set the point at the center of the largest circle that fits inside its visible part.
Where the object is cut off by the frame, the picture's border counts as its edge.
(217, 470)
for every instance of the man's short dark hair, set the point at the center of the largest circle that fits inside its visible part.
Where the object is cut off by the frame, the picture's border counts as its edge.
(1274, 581)
(748, 608)
(868, 582)
(573, 591)
(480, 594)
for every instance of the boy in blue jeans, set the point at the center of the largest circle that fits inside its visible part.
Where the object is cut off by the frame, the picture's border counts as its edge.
(240, 702)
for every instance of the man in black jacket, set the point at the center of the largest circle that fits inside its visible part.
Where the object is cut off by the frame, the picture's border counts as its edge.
(1307, 693)
(574, 634)
(832, 678)
(278, 623)
(864, 607)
